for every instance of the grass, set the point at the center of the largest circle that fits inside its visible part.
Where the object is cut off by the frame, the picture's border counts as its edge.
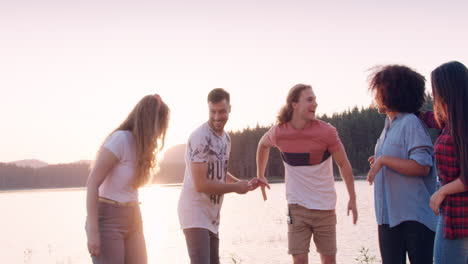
(235, 259)
(365, 258)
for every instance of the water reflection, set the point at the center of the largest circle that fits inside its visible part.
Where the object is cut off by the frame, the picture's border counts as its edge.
(47, 227)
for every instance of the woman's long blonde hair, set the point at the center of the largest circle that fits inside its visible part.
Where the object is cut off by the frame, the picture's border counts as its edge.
(148, 122)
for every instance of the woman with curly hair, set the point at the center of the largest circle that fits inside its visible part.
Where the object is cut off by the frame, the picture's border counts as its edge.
(113, 225)
(450, 91)
(402, 168)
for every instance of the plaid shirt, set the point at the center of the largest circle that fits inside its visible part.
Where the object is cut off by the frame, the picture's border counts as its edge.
(455, 206)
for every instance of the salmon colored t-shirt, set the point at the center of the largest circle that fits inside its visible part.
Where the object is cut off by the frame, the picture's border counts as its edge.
(317, 138)
(307, 162)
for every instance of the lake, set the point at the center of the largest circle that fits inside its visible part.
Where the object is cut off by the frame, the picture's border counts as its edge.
(47, 226)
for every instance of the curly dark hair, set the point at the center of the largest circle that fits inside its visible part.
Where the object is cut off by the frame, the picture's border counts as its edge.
(398, 87)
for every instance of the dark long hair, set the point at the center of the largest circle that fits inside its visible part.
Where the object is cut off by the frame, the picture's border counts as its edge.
(286, 112)
(450, 90)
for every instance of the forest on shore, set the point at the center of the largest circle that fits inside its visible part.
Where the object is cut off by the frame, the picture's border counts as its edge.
(358, 129)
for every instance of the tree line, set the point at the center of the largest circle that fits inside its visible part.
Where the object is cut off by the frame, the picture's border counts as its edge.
(52, 176)
(358, 129)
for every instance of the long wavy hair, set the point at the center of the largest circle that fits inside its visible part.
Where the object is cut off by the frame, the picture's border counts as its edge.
(148, 122)
(450, 91)
(286, 112)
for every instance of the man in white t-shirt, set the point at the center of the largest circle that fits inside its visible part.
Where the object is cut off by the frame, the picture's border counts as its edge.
(206, 180)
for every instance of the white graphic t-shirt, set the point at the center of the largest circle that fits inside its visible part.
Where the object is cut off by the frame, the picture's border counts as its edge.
(196, 209)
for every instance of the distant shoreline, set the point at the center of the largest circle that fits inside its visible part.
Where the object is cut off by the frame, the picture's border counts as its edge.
(59, 189)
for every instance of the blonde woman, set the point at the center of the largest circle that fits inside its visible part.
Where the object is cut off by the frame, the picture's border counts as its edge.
(113, 225)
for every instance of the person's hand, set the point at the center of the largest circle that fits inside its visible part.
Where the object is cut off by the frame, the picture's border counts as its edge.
(263, 187)
(94, 242)
(375, 166)
(436, 199)
(353, 208)
(256, 182)
(242, 187)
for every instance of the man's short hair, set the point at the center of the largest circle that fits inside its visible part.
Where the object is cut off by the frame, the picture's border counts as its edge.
(217, 95)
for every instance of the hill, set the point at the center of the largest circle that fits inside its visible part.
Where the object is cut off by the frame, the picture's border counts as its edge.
(32, 163)
(172, 166)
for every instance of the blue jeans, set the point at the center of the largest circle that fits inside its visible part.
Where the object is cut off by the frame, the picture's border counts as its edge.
(449, 251)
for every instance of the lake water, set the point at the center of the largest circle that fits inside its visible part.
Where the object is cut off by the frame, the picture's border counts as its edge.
(47, 226)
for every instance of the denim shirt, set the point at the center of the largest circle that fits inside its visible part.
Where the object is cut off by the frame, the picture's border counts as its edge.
(398, 197)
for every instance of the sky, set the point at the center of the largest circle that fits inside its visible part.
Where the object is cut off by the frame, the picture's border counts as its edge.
(71, 71)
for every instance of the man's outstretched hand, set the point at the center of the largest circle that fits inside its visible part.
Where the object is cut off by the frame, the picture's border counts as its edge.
(262, 183)
(256, 182)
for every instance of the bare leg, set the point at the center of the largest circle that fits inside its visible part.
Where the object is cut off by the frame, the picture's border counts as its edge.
(328, 259)
(301, 258)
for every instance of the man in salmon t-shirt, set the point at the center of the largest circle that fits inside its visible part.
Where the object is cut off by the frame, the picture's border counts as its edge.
(307, 147)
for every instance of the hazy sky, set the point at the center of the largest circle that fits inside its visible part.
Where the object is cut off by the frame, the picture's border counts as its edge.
(70, 71)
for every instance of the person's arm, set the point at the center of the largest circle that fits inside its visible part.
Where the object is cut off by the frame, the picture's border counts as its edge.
(428, 118)
(202, 184)
(252, 183)
(346, 173)
(104, 163)
(418, 146)
(438, 197)
(231, 179)
(263, 153)
(406, 167)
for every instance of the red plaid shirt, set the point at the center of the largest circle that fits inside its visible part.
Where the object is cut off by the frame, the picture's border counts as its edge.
(455, 206)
